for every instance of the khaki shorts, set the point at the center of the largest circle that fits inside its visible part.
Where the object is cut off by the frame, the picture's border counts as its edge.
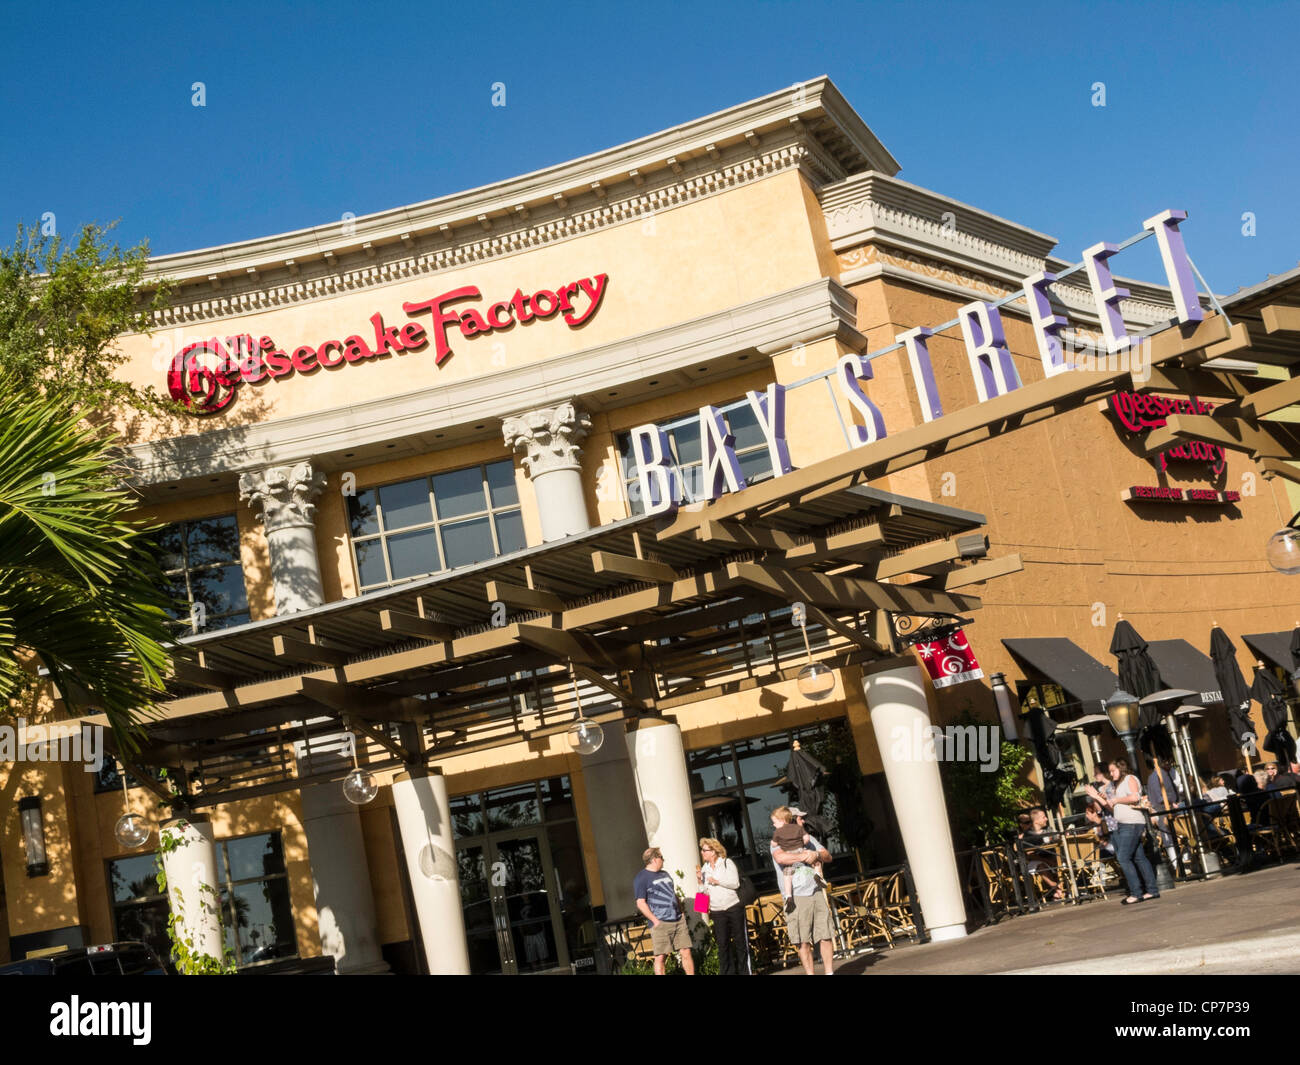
(669, 936)
(811, 920)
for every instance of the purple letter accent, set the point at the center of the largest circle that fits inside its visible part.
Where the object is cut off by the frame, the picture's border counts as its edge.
(851, 367)
(769, 410)
(1106, 295)
(1046, 322)
(1178, 268)
(986, 346)
(916, 341)
(720, 466)
(655, 471)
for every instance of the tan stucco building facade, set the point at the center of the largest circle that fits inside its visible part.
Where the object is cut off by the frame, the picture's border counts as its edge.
(635, 286)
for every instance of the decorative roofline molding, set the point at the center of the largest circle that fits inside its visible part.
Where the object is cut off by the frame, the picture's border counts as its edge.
(546, 226)
(813, 114)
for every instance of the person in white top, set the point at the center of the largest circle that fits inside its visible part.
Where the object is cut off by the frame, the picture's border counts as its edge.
(719, 876)
(1125, 801)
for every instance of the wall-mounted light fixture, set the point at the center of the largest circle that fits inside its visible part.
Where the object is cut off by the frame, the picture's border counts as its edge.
(29, 812)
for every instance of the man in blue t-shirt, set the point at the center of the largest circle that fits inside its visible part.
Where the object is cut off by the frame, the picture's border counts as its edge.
(656, 898)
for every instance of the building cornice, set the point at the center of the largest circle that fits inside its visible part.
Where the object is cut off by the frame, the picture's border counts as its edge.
(809, 126)
(874, 221)
(669, 359)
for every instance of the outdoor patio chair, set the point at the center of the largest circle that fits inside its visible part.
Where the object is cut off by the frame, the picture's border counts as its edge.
(1279, 828)
(998, 888)
(1092, 868)
(769, 937)
(859, 912)
(1221, 845)
(897, 906)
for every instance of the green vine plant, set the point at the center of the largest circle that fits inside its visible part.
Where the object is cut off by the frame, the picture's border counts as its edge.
(188, 961)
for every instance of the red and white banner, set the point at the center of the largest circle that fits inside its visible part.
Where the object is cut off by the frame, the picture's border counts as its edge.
(949, 661)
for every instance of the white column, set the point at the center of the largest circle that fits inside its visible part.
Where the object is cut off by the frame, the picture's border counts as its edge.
(900, 716)
(286, 496)
(429, 846)
(548, 440)
(193, 893)
(340, 880)
(659, 759)
(617, 830)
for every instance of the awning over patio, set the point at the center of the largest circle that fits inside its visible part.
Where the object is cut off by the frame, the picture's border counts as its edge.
(1065, 663)
(1183, 666)
(1274, 648)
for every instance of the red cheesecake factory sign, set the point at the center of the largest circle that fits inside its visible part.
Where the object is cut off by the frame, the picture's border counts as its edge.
(206, 375)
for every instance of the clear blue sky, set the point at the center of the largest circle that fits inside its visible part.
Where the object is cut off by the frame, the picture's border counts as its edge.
(314, 110)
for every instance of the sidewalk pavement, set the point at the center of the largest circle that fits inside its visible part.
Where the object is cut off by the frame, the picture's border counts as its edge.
(1232, 925)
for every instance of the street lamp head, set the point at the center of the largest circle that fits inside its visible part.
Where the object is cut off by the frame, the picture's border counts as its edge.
(1283, 551)
(1122, 709)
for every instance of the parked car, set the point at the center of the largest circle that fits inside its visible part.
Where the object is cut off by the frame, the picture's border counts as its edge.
(110, 959)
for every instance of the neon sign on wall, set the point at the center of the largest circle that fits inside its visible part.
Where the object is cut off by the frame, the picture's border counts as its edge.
(205, 376)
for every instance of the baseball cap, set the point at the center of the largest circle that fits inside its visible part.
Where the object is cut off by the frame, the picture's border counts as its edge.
(798, 812)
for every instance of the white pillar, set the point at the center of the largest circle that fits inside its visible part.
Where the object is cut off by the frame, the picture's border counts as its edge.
(340, 881)
(899, 716)
(429, 846)
(548, 440)
(285, 495)
(659, 759)
(617, 830)
(193, 890)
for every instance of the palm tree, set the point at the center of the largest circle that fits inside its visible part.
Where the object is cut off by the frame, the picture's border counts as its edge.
(80, 594)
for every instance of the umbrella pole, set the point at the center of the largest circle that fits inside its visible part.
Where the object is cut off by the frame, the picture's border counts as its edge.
(1065, 849)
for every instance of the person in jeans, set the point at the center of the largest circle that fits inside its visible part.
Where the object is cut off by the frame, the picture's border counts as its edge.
(656, 898)
(1130, 827)
(719, 876)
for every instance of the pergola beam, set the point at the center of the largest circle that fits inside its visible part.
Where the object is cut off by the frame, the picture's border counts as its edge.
(524, 598)
(412, 625)
(639, 569)
(1281, 319)
(827, 590)
(1236, 434)
(361, 703)
(976, 574)
(297, 650)
(1273, 398)
(394, 748)
(917, 558)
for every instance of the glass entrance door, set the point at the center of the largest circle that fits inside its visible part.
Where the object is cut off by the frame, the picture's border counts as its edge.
(512, 913)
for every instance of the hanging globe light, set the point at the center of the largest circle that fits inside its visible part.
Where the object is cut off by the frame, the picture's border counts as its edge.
(1283, 551)
(815, 681)
(585, 736)
(359, 787)
(132, 831)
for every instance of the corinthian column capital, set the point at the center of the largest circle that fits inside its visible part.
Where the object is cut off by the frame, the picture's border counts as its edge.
(548, 438)
(284, 494)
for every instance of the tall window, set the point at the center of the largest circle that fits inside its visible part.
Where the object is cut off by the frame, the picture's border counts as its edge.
(254, 889)
(204, 572)
(736, 787)
(684, 443)
(414, 528)
(255, 909)
(139, 908)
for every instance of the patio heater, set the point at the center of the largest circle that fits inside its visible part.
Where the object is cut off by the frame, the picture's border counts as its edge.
(1166, 703)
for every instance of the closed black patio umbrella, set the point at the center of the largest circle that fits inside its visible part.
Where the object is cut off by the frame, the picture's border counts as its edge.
(1057, 779)
(807, 776)
(1295, 650)
(1139, 675)
(1268, 693)
(1232, 686)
